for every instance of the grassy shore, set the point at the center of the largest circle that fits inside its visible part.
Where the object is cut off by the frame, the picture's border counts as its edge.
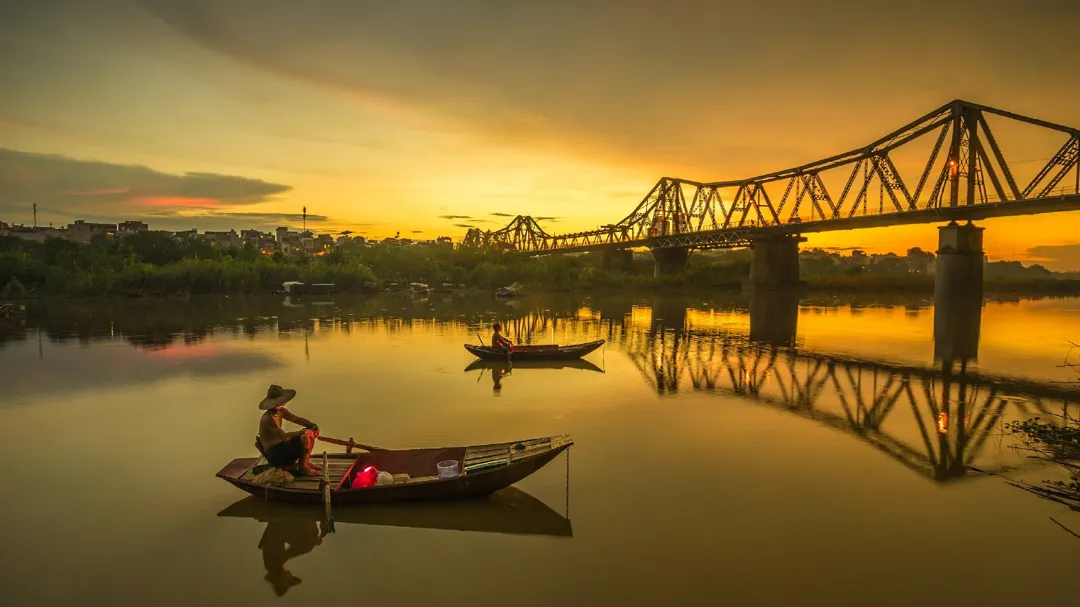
(138, 265)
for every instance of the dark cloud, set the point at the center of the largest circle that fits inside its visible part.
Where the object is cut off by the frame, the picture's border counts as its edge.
(452, 217)
(463, 225)
(66, 187)
(1059, 258)
(545, 218)
(504, 67)
(503, 215)
(417, 231)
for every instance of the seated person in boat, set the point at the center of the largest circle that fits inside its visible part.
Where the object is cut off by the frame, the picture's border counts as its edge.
(286, 449)
(498, 340)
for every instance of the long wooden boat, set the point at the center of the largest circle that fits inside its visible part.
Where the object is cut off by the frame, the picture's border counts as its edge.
(484, 470)
(545, 352)
(508, 511)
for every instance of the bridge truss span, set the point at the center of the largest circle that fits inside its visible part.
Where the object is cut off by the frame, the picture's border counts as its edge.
(948, 165)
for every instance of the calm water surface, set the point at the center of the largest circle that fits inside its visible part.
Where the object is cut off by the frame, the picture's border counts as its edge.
(813, 454)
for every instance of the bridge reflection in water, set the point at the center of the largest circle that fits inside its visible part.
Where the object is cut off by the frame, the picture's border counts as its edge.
(935, 420)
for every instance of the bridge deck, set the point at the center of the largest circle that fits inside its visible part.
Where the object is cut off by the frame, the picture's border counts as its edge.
(742, 236)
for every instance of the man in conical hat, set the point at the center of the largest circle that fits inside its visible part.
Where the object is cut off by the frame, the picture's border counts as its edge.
(286, 449)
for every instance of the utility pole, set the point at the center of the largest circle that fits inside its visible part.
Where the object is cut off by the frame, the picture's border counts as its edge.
(305, 219)
(35, 215)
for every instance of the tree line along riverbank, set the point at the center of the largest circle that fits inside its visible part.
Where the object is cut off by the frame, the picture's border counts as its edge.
(152, 265)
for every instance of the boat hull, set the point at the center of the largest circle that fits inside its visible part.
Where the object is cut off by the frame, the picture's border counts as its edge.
(470, 485)
(560, 353)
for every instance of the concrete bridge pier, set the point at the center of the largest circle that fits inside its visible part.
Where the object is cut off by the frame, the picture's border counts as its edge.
(774, 263)
(958, 295)
(617, 260)
(774, 316)
(670, 262)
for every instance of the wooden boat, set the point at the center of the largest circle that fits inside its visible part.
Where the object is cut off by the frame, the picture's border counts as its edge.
(485, 469)
(294, 287)
(511, 291)
(573, 363)
(545, 352)
(509, 511)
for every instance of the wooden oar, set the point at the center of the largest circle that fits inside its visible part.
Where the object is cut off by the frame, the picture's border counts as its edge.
(349, 444)
(325, 486)
(481, 340)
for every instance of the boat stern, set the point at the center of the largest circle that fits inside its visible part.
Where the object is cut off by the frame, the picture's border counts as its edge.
(236, 468)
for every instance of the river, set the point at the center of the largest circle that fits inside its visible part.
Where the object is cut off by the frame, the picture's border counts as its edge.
(815, 455)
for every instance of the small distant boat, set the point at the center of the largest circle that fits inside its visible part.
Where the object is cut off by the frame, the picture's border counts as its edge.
(445, 287)
(294, 287)
(512, 291)
(485, 469)
(545, 352)
(419, 288)
(369, 287)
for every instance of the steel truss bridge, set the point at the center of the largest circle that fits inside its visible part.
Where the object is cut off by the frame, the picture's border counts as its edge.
(934, 421)
(954, 170)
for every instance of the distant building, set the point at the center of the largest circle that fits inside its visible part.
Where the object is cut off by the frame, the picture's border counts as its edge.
(263, 241)
(130, 227)
(444, 241)
(228, 239)
(82, 231)
(31, 234)
(186, 234)
(323, 243)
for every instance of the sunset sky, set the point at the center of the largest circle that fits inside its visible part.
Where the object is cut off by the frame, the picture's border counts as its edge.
(429, 116)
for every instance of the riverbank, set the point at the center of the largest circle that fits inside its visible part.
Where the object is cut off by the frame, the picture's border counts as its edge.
(135, 268)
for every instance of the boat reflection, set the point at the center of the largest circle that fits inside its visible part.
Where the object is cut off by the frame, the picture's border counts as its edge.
(509, 511)
(500, 369)
(294, 530)
(582, 364)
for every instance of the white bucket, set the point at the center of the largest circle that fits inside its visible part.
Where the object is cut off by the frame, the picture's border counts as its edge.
(449, 468)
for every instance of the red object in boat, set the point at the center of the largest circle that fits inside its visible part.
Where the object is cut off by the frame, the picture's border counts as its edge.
(365, 478)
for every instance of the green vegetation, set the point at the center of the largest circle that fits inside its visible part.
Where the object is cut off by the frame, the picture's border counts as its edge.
(159, 264)
(1057, 442)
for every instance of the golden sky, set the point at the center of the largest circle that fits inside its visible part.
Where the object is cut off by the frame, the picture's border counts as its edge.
(428, 116)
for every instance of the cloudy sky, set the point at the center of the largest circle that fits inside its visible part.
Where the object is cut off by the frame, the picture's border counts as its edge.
(428, 116)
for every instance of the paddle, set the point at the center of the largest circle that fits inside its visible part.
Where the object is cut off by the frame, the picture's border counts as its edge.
(349, 443)
(325, 487)
(481, 340)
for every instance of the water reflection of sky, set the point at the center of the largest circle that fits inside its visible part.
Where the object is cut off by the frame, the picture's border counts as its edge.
(687, 443)
(47, 368)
